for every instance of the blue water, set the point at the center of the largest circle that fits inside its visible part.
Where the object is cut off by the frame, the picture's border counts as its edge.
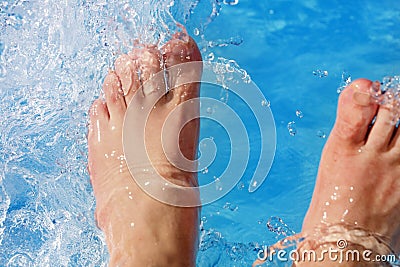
(54, 55)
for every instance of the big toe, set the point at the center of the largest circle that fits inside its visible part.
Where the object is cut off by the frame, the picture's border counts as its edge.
(183, 64)
(356, 111)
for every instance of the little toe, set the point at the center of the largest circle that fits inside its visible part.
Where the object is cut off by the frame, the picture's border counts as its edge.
(356, 111)
(114, 96)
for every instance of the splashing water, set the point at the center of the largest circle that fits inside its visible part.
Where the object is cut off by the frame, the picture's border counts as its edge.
(346, 80)
(387, 93)
(291, 126)
(53, 58)
(277, 225)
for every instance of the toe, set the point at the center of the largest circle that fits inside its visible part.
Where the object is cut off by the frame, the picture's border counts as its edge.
(114, 96)
(382, 130)
(395, 144)
(356, 111)
(179, 51)
(98, 118)
(147, 64)
(125, 70)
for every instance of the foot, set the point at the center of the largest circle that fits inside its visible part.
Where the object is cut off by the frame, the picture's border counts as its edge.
(358, 181)
(141, 231)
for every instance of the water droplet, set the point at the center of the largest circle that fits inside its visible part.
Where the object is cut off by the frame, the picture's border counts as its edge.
(327, 203)
(231, 2)
(265, 103)
(240, 186)
(205, 170)
(246, 78)
(351, 200)
(321, 134)
(218, 184)
(14, 20)
(299, 114)
(196, 31)
(211, 56)
(210, 110)
(292, 128)
(320, 73)
(3, 71)
(276, 225)
(346, 80)
(230, 206)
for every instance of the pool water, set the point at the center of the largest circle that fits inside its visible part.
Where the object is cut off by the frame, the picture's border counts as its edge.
(54, 55)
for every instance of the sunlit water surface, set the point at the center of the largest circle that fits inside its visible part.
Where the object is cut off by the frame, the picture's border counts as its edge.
(54, 55)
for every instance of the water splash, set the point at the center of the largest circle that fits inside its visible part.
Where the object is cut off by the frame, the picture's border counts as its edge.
(299, 114)
(278, 226)
(320, 73)
(346, 80)
(213, 245)
(387, 93)
(53, 58)
(291, 126)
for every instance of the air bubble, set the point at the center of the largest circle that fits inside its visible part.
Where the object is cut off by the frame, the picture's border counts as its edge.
(292, 128)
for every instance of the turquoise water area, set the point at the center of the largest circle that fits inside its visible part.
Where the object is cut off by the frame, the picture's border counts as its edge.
(54, 55)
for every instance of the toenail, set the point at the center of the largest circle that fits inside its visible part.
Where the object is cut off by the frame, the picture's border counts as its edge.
(362, 98)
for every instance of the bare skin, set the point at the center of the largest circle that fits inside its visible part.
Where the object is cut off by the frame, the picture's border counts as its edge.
(358, 180)
(141, 231)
